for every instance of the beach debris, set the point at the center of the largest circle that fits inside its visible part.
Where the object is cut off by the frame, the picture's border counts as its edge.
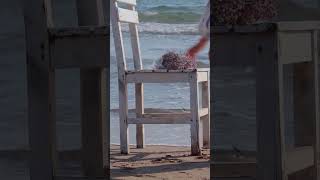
(204, 156)
(129, 168)
(126, 166)
(167, 159)
(175, 61)
(241, 12)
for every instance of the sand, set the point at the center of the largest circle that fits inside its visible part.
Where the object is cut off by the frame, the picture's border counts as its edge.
(153, 162)
(159, 162)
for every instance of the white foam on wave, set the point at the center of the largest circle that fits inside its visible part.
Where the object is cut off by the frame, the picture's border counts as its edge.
(161, 28)
(151, 13)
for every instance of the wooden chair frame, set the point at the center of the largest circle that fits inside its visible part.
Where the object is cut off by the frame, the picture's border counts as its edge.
(277, 45)
(50, 48)
(197, 117)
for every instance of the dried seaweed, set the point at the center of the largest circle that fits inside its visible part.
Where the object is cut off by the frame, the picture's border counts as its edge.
(176, 61)
(241, 12)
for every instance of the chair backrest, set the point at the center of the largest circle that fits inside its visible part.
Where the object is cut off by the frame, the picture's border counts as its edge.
(93, 9)
(125, 15)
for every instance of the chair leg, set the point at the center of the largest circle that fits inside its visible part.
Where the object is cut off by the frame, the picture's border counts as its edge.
(196, 139)
(139, 112)
(123, 114)
(206, 119)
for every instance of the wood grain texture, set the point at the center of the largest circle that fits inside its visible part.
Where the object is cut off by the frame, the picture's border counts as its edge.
(41, 93)
(268, 110)
(140, 111)
(206, 119)
(196, 131)
(128, 16)
(315, 49)
(93, 98)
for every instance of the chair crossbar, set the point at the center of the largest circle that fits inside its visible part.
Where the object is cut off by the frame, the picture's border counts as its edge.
(172, 77)
(168, 116)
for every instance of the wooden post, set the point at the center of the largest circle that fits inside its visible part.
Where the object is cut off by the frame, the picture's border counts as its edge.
(212, 105)
(123, 116)
(41, 93)
(42, 122)
(268, 114)
(196, 135)
(139, 112)
(206, 119)
(315, 55)
(134, 34)
(93, 100)
(123, 88)
(303, 102)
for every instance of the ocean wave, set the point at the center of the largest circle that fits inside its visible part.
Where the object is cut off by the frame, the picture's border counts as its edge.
(169, 14)
(164, 8)
(164, 28)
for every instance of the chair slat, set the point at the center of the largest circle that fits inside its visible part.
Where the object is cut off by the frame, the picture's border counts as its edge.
(101, 14)
(128, 16)
(49, 12)
(130, 2)
(135, 44)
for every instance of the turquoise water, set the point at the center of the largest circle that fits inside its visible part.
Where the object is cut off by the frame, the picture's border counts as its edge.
(165, 11)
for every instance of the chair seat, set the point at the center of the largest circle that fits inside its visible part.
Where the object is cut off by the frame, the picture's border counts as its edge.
(164, 116)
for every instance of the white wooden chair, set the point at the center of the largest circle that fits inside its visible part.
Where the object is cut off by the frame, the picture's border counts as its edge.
(198, 117)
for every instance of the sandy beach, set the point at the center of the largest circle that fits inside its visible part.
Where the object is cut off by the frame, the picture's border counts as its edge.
(159, 162)
(153, 162)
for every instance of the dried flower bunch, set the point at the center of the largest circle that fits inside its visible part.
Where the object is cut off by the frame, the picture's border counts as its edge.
(176, 61)
(241, 12)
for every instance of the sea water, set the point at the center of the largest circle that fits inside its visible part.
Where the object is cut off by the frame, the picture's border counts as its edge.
(164, 25)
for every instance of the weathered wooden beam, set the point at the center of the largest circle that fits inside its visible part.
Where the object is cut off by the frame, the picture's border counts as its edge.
(159, 120)
(139, 112)
(139, 87)
(298, 25)
(298, 159)
(303, 104)
(206, 119)
(93, 115)
(128, 16)
(42, 122)
(74, 52)
(269, 143)
(315, 54)
(41, 93)
(306, 108)
(93, 98)
(157, 77)
(196, 128)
